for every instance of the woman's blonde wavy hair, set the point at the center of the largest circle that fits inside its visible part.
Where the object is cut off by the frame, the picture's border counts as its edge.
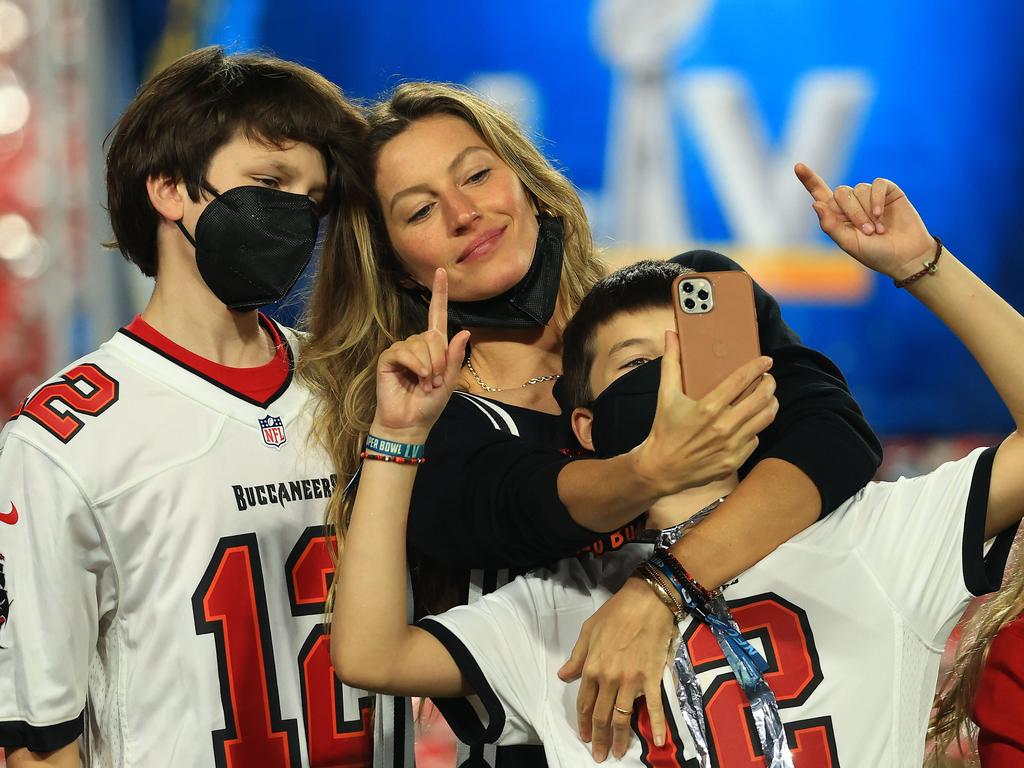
(951, 721)
(357, 308)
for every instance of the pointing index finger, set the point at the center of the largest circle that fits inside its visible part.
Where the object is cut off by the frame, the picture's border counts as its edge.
(813, 183)
(437, 314)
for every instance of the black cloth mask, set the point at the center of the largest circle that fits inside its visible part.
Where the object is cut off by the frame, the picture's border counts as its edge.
(252, 243)
(624, 412)
(530, 303)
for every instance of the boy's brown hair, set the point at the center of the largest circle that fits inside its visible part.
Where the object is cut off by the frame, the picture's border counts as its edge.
(185, 113)
(639, 286)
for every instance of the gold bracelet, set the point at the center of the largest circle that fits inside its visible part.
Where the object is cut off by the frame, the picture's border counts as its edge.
(666, 597)
(646, 573)
(664, 584)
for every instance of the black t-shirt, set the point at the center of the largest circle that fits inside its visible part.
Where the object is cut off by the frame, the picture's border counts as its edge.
(488, 497)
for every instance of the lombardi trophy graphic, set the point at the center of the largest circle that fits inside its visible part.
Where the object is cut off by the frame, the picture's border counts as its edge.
(642, 178)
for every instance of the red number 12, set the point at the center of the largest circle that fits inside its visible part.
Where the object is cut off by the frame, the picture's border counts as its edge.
(231, 604)
(794, 674)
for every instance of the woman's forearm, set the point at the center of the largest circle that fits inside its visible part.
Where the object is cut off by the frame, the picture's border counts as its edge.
(373, 646)
(774, 502)
(986, 324)
(370, 623)
(603, 495)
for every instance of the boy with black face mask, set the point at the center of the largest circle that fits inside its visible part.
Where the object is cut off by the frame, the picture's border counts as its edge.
(824, 653)
(165, 561)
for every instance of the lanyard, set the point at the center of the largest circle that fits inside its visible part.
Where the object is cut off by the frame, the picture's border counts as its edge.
(748, 666)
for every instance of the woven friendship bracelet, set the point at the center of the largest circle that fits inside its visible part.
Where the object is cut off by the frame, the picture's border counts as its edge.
(668, 563)
(690, 601)
(391, 459)
(929, 269)
(391, 448)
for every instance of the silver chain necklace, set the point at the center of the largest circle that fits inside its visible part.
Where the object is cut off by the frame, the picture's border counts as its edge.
(488, 388)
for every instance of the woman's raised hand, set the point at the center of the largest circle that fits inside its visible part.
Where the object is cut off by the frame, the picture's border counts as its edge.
(415, 377)
(875, 223)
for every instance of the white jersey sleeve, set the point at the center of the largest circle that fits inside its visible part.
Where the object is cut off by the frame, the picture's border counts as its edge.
(59, 583)
(923, 539)
(497, 642)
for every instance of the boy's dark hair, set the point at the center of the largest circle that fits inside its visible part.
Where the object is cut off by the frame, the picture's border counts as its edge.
(639, 286)
(182, 115)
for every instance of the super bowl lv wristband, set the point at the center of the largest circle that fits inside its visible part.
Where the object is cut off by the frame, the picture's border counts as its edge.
(392, 448)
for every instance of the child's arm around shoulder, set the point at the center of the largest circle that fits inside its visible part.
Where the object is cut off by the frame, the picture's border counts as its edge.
(372, 644)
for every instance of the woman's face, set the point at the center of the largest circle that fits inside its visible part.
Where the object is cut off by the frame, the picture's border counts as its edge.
(449, 201)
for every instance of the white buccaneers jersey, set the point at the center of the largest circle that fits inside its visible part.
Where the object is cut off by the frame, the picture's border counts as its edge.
(166, 567)
(851, 615)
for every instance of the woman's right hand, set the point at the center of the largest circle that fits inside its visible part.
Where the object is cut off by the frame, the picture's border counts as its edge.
(693, 442)
(415, 377)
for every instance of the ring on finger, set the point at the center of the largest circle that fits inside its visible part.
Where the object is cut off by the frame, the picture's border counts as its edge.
(622, 711)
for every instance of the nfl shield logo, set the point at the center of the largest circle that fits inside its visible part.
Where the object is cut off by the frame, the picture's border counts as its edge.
(273, 431)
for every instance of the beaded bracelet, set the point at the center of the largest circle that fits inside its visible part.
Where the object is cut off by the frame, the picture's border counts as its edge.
(929, 269)
(645, 572)
(391, 448)
(391, 459)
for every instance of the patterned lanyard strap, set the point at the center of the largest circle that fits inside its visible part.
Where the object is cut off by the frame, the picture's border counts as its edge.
(746, 663)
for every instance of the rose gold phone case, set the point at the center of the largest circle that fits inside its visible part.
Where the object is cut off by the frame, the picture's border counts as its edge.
(715, 343)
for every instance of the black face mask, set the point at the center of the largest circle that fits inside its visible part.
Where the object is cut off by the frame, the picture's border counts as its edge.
(624, 412)
(530, 303)
(252, 243)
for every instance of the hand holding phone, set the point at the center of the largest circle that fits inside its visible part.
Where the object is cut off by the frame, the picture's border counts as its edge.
(716, 322)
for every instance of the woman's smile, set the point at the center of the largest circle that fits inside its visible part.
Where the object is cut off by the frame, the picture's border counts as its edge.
(483, 245)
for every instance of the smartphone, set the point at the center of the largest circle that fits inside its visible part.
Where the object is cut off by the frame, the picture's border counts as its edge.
(717, 325)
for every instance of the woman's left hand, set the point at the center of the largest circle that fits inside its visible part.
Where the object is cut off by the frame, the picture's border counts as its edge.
(875, 223)
(621, 654)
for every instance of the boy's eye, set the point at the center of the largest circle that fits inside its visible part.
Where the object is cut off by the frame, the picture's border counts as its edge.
(636, 362)
(420, 214)
(479, 176)
(268, 181)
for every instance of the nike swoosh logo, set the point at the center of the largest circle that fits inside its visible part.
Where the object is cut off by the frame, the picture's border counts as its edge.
(10, 517)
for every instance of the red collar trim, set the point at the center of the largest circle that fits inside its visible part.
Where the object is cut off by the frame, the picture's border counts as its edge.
(260, 385)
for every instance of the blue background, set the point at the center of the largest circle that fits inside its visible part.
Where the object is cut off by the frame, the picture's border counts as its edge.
(945, 122)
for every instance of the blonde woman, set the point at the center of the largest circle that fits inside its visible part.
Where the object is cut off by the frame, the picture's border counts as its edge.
(451, 182)
(985, 698)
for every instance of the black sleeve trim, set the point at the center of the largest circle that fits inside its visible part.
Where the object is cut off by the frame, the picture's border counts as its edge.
(983, 573)
(15, 734)
(824, 447)
(459, 713)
